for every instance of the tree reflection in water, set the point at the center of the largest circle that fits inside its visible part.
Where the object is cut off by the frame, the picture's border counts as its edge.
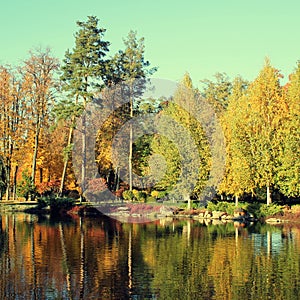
(100, 258)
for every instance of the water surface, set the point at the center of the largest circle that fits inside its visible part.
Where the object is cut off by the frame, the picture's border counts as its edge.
(100, 258)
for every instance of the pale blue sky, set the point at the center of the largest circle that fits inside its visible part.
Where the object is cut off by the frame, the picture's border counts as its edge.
(201, 37)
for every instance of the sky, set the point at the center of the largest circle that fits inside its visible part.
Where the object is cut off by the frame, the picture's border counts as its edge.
(195, 36)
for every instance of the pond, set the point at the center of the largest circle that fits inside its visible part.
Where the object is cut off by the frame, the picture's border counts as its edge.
(100, 258)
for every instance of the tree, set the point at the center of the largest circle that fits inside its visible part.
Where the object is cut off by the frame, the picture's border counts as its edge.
(83, 71)
(65, 114)
(217, 92)
(7, 118)
(134, 72)
(289, 154)
(238, 175)
(13, 129)
(38, 73)
(184, 144)
(263, 111)
(126, 77)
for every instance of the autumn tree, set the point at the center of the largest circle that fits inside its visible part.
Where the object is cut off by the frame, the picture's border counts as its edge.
(39, 83)
(8, 119)
(13, 131)
(263, 110)
(238, 175)
(289, 153)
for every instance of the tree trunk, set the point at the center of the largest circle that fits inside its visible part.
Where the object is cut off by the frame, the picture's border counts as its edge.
(269, 199)
(188, 199)
(130, 158)
(35, 152)
(83, 157)
(7, 193)
(130, 143)
(236, 197)
(63, 176)
(15, 183)
(41, 175)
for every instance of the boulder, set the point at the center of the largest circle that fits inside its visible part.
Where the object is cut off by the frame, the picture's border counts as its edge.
(166, 211)
(217, 214)
(273, 220)
(201, 214)
(207, 215)
(239, 212)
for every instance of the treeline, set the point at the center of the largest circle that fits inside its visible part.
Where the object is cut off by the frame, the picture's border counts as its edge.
(41, 99)
(261, 126)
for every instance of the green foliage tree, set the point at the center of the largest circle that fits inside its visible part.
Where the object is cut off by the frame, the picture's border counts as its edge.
(188, 158)
(217, 92)
(134, 71)
(26, 187)
(126, 77)
(83, 71)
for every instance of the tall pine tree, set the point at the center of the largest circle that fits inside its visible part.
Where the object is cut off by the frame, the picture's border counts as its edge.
(83, 72)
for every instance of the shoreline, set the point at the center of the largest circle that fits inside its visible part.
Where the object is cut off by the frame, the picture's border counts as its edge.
(125, 212)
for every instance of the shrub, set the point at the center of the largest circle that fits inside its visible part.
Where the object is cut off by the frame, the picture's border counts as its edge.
(270, 210)
(261, 210)
(151, 199)
(56, 203)
(128, 195)
(26, 188)
(295, 208)
(141, 196)
(224, 206)
(155, 194)
(48, 188)
(119, 192)
(43, 202)
(135, 193)
(162, 194)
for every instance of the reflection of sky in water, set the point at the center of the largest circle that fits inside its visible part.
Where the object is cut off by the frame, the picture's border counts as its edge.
(269, 240)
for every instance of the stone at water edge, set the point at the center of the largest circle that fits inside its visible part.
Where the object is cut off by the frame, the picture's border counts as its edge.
(166, 211)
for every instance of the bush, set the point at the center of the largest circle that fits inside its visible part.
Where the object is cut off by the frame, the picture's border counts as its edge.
(295, 209)
(43, 202)
(141, 196)
(162, 194)
(128, 195)
(26, 188)
(48, 188)
(135, 195)
(151, 199)
(56, 203)
(155, 194)
(260, 210)
(224, 206)
(270, 210)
